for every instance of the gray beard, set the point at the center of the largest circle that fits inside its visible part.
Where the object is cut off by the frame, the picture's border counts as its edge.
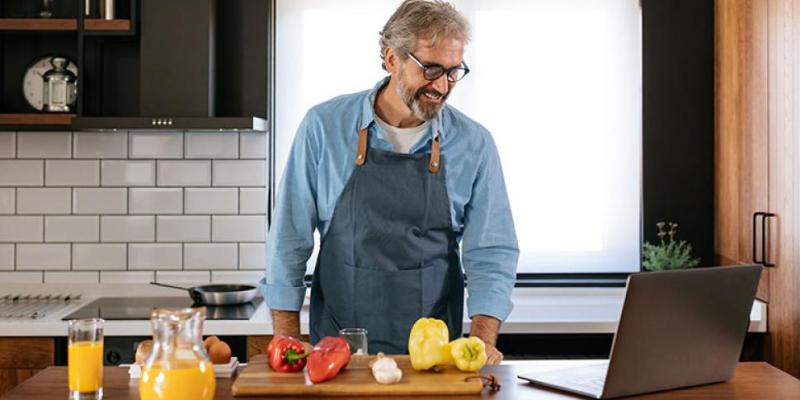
(412, 101)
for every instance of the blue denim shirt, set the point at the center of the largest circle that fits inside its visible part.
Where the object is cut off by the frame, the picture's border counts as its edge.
(321, 160)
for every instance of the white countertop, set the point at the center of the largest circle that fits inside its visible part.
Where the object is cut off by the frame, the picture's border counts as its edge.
(536, 310)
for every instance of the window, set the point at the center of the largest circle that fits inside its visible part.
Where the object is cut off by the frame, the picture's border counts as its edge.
(557, 82)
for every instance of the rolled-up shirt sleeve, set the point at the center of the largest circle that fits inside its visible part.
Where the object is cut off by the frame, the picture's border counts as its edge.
(291, 235)
(489, 241)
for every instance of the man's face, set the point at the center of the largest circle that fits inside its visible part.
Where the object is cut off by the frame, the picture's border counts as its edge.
(423, 97)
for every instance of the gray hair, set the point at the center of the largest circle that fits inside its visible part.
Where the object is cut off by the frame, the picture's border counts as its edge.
(421, 19)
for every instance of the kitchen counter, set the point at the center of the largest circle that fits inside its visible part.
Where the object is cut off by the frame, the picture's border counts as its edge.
(536, 310)
(753, 380)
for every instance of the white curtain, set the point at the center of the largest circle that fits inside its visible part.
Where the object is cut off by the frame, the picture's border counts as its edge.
(557, 82)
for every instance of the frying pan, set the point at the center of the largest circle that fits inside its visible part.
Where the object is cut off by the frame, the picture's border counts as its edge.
(218, 295)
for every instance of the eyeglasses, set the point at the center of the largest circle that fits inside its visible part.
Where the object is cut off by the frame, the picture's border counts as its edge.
(433, 72)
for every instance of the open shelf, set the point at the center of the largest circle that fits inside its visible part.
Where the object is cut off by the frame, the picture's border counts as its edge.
(58, 24)
(36, 119)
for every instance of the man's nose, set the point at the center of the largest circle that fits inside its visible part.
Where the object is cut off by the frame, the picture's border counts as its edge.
(441, 84)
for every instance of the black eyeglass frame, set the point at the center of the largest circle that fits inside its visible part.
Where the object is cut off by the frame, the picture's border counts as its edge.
(426, 70)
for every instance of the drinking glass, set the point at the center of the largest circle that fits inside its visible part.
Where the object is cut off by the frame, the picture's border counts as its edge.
(357, 339)
(85, 358)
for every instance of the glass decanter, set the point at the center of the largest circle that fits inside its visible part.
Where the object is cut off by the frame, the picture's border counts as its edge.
(178, 367)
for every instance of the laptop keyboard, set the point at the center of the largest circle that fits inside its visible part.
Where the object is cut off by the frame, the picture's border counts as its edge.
(590, 379)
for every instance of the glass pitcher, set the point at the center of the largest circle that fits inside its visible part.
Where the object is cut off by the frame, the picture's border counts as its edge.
(178, 367)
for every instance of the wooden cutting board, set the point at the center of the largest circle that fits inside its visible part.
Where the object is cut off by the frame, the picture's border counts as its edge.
(258, 379)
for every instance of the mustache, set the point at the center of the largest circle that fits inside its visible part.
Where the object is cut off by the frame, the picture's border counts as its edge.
(425, 90)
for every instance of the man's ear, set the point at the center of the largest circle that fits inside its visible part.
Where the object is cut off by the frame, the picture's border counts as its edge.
(391, 61)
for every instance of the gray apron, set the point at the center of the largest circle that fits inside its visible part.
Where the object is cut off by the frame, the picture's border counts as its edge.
(390, 255)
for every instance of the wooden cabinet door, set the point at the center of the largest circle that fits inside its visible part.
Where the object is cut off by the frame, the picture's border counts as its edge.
(21, 358)
(784, 190)
(742, 130)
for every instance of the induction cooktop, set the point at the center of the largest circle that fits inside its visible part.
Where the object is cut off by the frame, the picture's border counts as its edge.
(139, 308)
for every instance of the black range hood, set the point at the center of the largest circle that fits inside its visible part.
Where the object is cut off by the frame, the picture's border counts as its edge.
(170, 123)
(202, 66)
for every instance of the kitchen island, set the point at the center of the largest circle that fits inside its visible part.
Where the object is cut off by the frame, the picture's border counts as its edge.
(753, 380)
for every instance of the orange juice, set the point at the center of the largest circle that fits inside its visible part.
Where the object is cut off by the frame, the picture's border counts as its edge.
(85, 360)
(184, 382)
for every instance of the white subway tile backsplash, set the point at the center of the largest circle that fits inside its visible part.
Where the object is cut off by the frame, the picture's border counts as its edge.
(100, 201)
(21, 229)
(21, 173)
(132, 207)
(8, 144)
(44, 144)
(212, 145)
(184, 229)
(237, 277)
(127, 276)
(239, 173)
(71, 277)
(253, 201)
(156, 144)
(183, 277)
(99, 256)
(239, 228)
(253, 145)
(44, 200)
(21, 277)
(43, 256)
(71, 229)
(209, 256)
(100, 145)
(252, 256)
(72, 173)
(6, 256)
(129, 173)
(155, 256)
(156, 201)
(184, 173)
(212, 201)
(7, 200)
(127, 228)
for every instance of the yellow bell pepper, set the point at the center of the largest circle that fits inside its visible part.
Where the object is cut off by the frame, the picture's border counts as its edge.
(469, 353)
(428, 344)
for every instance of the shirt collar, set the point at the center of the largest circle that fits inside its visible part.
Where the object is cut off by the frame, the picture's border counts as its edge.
(368, 111)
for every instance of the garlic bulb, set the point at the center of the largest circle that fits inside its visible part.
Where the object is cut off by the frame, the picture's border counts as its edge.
(385, 370)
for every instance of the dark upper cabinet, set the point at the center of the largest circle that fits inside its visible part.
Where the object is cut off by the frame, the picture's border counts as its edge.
(179, 59)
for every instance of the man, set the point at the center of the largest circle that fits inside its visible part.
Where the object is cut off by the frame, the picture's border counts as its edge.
(394, 179)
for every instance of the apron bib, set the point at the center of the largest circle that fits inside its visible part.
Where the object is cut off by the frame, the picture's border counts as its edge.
(390, 255)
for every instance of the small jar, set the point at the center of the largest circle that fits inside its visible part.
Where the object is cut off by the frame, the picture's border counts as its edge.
(60, 87)
(178, 367)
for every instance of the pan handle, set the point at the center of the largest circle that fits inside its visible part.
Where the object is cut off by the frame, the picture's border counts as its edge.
(169, 286)
(194, 293)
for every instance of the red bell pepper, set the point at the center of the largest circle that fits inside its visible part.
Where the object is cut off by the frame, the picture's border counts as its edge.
(329, 356)
(286, 354)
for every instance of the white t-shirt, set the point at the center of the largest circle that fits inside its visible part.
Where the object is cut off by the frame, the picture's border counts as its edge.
(402, 139)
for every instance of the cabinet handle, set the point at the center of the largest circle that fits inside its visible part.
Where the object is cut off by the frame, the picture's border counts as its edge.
(764, 239)
(755, 217)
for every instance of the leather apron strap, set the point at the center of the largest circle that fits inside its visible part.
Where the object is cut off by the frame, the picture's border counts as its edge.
(361, 151)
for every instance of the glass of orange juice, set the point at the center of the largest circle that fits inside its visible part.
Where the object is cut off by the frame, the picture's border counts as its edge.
(85, 358)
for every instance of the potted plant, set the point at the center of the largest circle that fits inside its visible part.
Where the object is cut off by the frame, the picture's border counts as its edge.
(669, 254)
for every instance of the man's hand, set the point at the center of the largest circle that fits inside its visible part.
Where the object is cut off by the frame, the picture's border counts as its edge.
(493, 356)
(486, 328)
(287, 323)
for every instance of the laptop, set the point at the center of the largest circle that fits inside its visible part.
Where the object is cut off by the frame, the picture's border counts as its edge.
(677, 329)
